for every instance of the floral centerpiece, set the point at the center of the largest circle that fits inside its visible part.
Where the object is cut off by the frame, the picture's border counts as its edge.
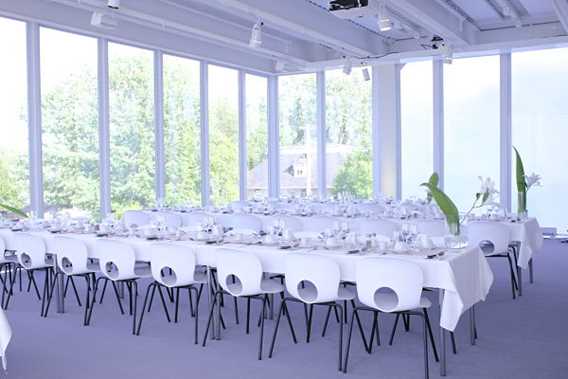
(524, 183)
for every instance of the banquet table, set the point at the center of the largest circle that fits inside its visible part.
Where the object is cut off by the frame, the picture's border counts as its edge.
(463, 277)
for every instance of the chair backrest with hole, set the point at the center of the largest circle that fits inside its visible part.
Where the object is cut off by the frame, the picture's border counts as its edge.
(383, 228)
(31, 250)
(318, 224)
(432, 228)
(240, 221)
(312, 278)
(195, 219)
(172, 220)
(479, 232)
(179, 259)
(72, 255)
(117, 259)
(389, 285)
(244, 269)
(138, 218)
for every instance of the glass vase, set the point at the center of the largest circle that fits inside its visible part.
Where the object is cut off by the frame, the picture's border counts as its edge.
(455, 240)
(522, 205)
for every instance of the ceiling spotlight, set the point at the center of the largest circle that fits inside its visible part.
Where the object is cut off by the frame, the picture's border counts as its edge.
(113, 4)
(366, 74)
(103, 21)
(385, 23)
(347, 66)
(256, 34)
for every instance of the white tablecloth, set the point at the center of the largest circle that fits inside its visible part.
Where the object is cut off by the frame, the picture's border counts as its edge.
(528, 233)
(464, 276)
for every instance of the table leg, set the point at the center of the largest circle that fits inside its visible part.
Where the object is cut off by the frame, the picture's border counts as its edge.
(472, 325)
(442, 351)
(210, 294)
(531, 273)
(271, 308)
(59, 287)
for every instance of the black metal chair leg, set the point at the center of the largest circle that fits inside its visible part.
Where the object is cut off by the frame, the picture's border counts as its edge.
(103, 292)
(406, 321)
(454, 348)
(148, 289)
(394, 328)
(87, 299)
(177, 305)
(195, 313)
(32, 281)
(425, 337)
(151, 298)
(247, 331)
(309, 322)
(50, 293)
(134, 293)
(190, 298)
(341, 322)
(432, 341)
(164, 305)
(236, 305)
(210, 318)
(513, 285)
(117, 297)
(349, 340)
(75, 290)
(262, 317)
(275, 333)
(360, 325)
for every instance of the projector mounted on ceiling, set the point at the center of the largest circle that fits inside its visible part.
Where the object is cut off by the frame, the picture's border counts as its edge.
(336, 5)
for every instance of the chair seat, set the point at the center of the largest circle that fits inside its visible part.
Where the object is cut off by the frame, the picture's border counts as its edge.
(271, 286)
(390, 300)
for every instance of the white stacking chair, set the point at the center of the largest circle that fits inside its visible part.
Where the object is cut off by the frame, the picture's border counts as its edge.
(432, 228)
(32, 254)
(172, 220)
(392, 286)
(174, 267)
(5, 337)
(73, 261)
(494, 239)
(381, 228)
(240, 275)
(8, 267)
(136, 218)
(314, 280)
(117, 261)
(193, 219)
(240, 222)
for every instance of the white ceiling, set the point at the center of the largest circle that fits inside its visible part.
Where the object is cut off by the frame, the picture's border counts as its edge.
(303, 34)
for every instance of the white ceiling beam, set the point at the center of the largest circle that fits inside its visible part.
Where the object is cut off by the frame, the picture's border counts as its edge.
(561, 9)
(52, 14)
(437, 19)
(301, 18)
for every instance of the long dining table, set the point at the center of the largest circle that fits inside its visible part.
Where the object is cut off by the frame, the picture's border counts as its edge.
(462, 276)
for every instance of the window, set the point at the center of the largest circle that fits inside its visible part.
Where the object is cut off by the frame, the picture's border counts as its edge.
(540, 119)
(416, 93)
(257, 136)
(298, 156)
(132, 147)
(348, 134)
(69, 122)
(14, 163)
(223, 134)
(182, 130)
(471, 106)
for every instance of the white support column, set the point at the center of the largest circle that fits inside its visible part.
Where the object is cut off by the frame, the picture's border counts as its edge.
(159, 125)
(438, 105)
(104, 126)
(386, 130)
(320, 132)
(273, 139)
(204, 117)
(506, 140)
(34, 118)
(242, 136)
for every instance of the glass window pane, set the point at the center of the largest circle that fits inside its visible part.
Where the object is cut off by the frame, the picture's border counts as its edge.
(182, 130)
(69, 122)
(416, 93)
(298, 159)
(14, 164)
(348, 134)
(471, 126)
(224, 134)
(540, 119)
(257, 136)
(132, 148)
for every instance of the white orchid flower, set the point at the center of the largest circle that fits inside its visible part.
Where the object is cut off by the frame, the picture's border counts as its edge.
(532, 180)
(487, 191)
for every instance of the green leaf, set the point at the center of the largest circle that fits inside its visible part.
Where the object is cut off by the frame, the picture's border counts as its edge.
(13, 210)
(446, 205)
(520, 172)
(434, 180)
